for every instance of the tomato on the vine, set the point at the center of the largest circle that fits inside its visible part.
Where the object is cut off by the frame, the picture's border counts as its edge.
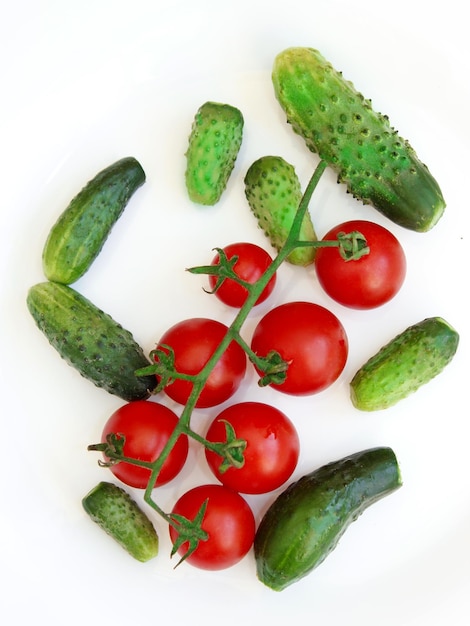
(193, 342)
(252, 261)
(312, 341)
(228, 521)
(271, 452)
(147, 427)
(371, 280)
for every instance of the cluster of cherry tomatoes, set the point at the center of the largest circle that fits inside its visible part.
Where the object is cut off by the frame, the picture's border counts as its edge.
(295, 330)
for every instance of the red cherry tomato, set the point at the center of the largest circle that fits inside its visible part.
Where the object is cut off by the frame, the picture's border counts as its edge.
(310, 338)
(272, 447)
(228, 521)
(369, 281)
(194, 342)
(146, 426)
(252, 262)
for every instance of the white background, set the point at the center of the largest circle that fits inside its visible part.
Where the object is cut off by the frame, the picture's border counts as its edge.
(86, 83)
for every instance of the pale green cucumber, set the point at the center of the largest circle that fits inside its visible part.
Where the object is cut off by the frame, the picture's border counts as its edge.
(377, 165)
(273, 191)
(401, 367)
(213, 146)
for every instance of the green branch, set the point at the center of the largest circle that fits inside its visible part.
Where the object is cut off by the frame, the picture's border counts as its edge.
(272, 365)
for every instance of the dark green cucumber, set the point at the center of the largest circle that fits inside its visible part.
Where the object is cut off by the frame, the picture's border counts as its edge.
(305, 522)
(213, 146)
(90, 340)
(340, 125)
(79, 234)
(402, 366)
(273, 191)
(119, 516)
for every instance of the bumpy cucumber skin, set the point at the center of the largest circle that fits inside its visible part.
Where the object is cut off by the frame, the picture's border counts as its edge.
(81, 230)
(401, 367)
(119, 516)
(213, 146)
(306, 521)
(90, 340)
(273, 191)
(338, 123)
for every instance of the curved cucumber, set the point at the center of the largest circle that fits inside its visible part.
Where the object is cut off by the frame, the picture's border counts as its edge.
(409, 361)
(90, 340)
(337, 122)
(119, 516)
(79, 234)
(305, 522)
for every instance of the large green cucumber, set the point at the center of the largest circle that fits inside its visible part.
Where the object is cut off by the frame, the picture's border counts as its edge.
(90, 340)
(337, 122)
(402, 366)
(81, 230)
(305, 522)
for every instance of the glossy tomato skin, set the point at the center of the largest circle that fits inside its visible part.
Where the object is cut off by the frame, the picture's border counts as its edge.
(228, 520)
(272, 447)
(194, 341)
(146, 426)
(370, 281)
(252, 262)
(310, 338)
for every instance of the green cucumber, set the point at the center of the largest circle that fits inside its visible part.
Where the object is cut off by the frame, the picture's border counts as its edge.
(90, 340)
(81, 230)
(402, 366)
(273, 191)
(213, 146)
(306, 521)
(339, 124)
(119, 516)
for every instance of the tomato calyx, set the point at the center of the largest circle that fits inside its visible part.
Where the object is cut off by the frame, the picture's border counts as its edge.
(163, 367)
(352, 246)
(113, 449)
(273, 366)
(189, 531)
(222, 270)
(231, 450)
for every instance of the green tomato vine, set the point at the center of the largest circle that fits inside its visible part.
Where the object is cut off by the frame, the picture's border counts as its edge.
(352, 246)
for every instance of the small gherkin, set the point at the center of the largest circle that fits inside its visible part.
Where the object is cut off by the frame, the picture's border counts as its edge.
(273, 191)
(213, 146)
(409, 361)
(339, 124)
(121, 518)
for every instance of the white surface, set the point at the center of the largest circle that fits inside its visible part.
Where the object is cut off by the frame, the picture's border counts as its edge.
(85, 83)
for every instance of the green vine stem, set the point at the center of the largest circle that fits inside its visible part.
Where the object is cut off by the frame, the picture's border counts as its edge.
(353, 246)
(233, 333)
